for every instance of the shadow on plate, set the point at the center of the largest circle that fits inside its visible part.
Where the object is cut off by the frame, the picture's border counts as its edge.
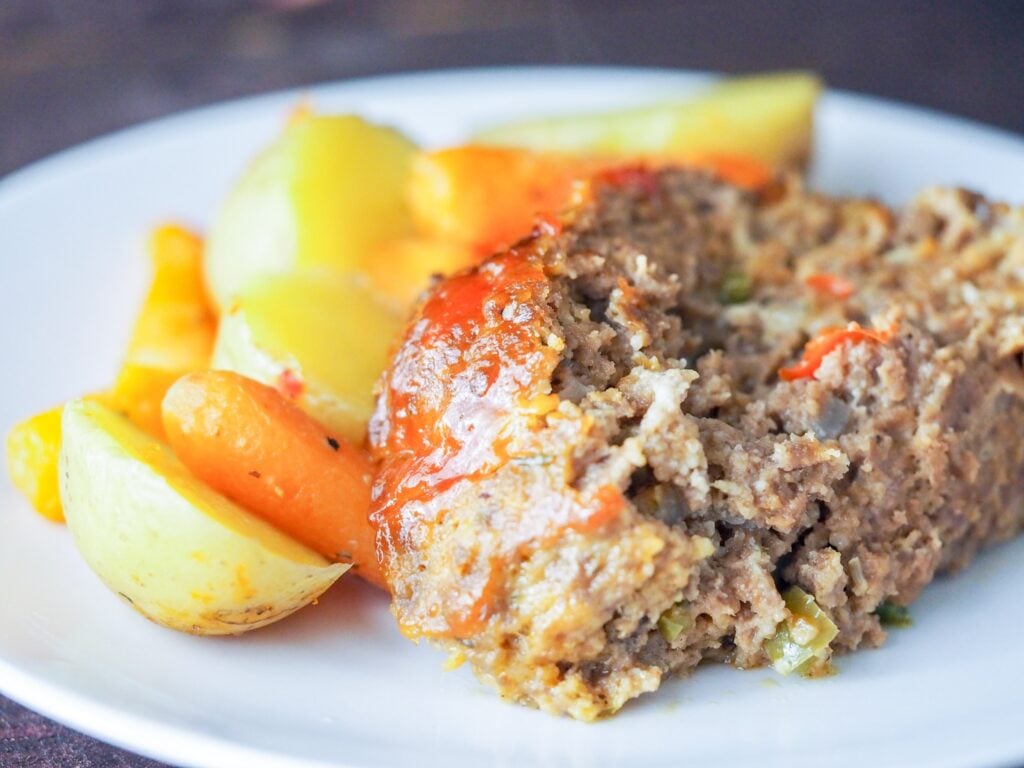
(351, 608)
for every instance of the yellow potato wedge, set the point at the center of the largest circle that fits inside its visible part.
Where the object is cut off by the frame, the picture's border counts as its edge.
(326, 193)
(767, 117)
(178, 552)
(321, 338)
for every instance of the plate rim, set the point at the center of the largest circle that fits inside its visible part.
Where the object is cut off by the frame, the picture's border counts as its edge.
(176, 744)
(139, 131)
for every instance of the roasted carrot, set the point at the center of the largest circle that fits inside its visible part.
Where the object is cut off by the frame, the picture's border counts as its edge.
(250, 443)
(487, 197)
(175, 328)
(33, 448)
(741, 170)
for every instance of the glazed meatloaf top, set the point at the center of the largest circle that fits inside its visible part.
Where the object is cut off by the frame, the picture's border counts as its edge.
(680, 398)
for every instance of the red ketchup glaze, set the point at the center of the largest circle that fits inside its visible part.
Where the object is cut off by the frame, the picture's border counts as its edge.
(546, 224)
(454, 408)
(461, 371)
(828, 339)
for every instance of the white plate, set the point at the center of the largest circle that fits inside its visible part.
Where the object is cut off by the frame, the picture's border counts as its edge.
(337, 685)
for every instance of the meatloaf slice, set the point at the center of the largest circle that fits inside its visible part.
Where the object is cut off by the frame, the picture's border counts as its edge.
(691, 422)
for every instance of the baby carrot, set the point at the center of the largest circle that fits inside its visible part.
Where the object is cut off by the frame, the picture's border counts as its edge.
(250, 443)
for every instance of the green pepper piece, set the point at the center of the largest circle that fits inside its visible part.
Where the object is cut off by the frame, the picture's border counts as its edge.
(736, 287)
(803, 637)
(533, 460)
(893, 615)
(673, 622)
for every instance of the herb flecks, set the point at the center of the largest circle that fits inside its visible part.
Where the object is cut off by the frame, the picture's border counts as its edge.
(893, 615)
(533, 460)
(736, 287)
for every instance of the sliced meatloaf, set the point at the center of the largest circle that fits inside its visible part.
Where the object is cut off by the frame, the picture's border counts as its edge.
(686, 421)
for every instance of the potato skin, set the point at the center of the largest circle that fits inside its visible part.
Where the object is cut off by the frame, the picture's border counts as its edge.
(176, 551)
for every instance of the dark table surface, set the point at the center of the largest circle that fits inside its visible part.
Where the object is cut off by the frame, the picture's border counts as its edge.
(74, 69)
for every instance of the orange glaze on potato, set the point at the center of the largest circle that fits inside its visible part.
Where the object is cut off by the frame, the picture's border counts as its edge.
(465, 392)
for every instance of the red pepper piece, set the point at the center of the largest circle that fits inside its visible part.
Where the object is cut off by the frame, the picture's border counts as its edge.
(836, 286)
(826, 341)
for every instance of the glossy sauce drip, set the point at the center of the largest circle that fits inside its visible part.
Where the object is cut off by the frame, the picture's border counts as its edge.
(472, 354)
(464, 394)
